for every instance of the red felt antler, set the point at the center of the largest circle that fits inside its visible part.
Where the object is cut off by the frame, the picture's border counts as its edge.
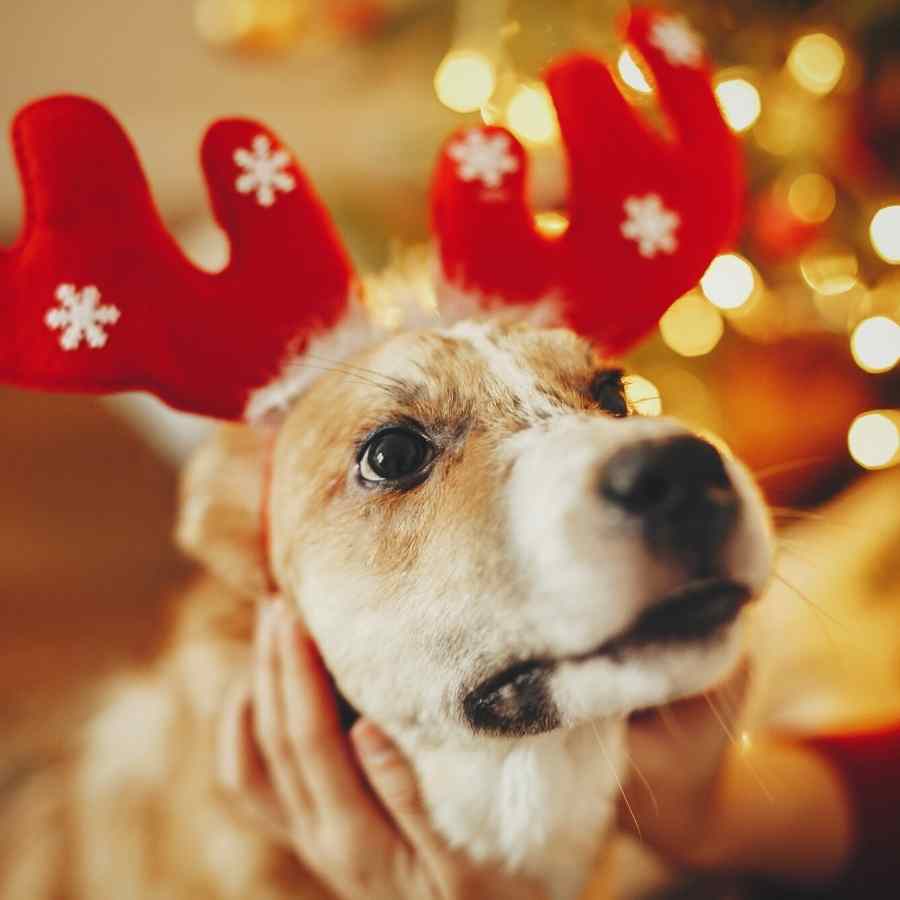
(96, 296)
(647, 214)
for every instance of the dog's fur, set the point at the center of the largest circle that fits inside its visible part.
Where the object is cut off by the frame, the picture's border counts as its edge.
(504, 553)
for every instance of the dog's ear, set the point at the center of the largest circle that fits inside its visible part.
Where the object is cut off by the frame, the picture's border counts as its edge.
(220, 511)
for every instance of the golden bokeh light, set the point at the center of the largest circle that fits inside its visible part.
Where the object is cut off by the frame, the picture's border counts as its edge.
(811, 198)
(740, 103)
(885, 234)
(250, 24)
(464, 80)
(643, 395)
(551, 223)
(531, 114)
(816, 62)
(729, 281)
(830, 271)
(876, 344)
(874, 439)
(692, 326)
(630, 72)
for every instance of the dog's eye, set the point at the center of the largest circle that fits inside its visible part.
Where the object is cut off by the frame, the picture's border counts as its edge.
(393, 454)
(608, 392)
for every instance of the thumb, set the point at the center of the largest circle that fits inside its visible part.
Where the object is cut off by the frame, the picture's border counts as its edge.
(394, 782)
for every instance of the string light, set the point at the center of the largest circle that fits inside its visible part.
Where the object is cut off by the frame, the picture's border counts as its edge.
(876, 344)
(811, 198)
(692, 326)
(643, 395)
(740, 103)
(630, 72)
(874, 439)
(531, 114)
(729, 281)
(885, 233)
(816, 62)
(551, 224)
(464, 80)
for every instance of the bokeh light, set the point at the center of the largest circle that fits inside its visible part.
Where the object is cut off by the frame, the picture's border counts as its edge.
(551, 223)
(531, 114)
(643, 395)
(811, 198)
(464, 80)
(885, 233)
(740, 103)
(729, 281)
(876, 344)
(816, 62)
(830, 270)
(692, 326)
(630, 72)
(874, 439)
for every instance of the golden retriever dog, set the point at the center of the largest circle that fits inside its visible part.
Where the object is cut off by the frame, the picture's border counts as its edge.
(499, 558)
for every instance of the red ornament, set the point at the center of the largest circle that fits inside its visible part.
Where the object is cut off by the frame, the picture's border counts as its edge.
(98, 297)
(647, 215)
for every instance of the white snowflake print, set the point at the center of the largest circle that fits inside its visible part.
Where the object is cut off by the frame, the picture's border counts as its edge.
(651, 225)
(679, 43)
(483, 158)
(264, 171)
(79, 317)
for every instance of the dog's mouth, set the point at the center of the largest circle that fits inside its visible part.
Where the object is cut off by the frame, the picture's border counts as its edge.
(695, 612)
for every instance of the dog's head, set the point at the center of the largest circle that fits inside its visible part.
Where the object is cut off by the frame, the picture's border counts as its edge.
(487, 539)
(479, 536)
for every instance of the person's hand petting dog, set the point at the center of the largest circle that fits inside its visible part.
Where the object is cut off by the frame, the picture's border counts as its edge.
(350, 808)
(708, 801)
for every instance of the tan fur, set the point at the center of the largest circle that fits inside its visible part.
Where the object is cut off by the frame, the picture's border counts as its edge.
(134, 812)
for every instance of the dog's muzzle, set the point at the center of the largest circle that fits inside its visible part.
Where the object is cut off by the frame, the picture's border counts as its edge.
(679, 491)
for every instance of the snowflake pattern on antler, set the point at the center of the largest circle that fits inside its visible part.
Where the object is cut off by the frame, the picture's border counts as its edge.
(650, 225)
(264, 171)
(483, 158)
(80, 317)
(678, 42)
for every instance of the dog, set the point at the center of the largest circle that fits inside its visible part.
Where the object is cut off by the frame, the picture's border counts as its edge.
(499, 560)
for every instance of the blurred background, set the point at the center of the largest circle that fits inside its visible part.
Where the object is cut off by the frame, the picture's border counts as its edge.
(787, 350)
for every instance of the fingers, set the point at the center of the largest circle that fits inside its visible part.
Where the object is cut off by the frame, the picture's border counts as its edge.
(312, 770)
(313, 726)
(240, 766)
(268, 717)
(394, 782)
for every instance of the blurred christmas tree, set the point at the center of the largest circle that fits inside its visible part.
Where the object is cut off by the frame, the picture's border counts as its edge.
(789, 347)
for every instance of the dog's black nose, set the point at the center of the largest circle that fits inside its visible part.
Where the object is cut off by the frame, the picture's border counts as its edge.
(681, 491)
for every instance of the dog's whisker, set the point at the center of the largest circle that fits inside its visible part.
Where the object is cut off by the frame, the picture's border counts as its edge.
(387, 379)
(615, 775)
(787, 512)
(356, 377)
(643, 779)
(803, 596)
(671, 724)
(729, 733)
(789, 466)
(790, 548)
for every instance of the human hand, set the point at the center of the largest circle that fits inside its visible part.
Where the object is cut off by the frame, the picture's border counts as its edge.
(678, 754)
(350, 809)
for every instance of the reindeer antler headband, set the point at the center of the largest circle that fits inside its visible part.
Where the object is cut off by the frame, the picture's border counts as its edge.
(97, 297)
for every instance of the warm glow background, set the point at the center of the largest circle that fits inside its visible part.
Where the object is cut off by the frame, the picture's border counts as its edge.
(787, 351)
